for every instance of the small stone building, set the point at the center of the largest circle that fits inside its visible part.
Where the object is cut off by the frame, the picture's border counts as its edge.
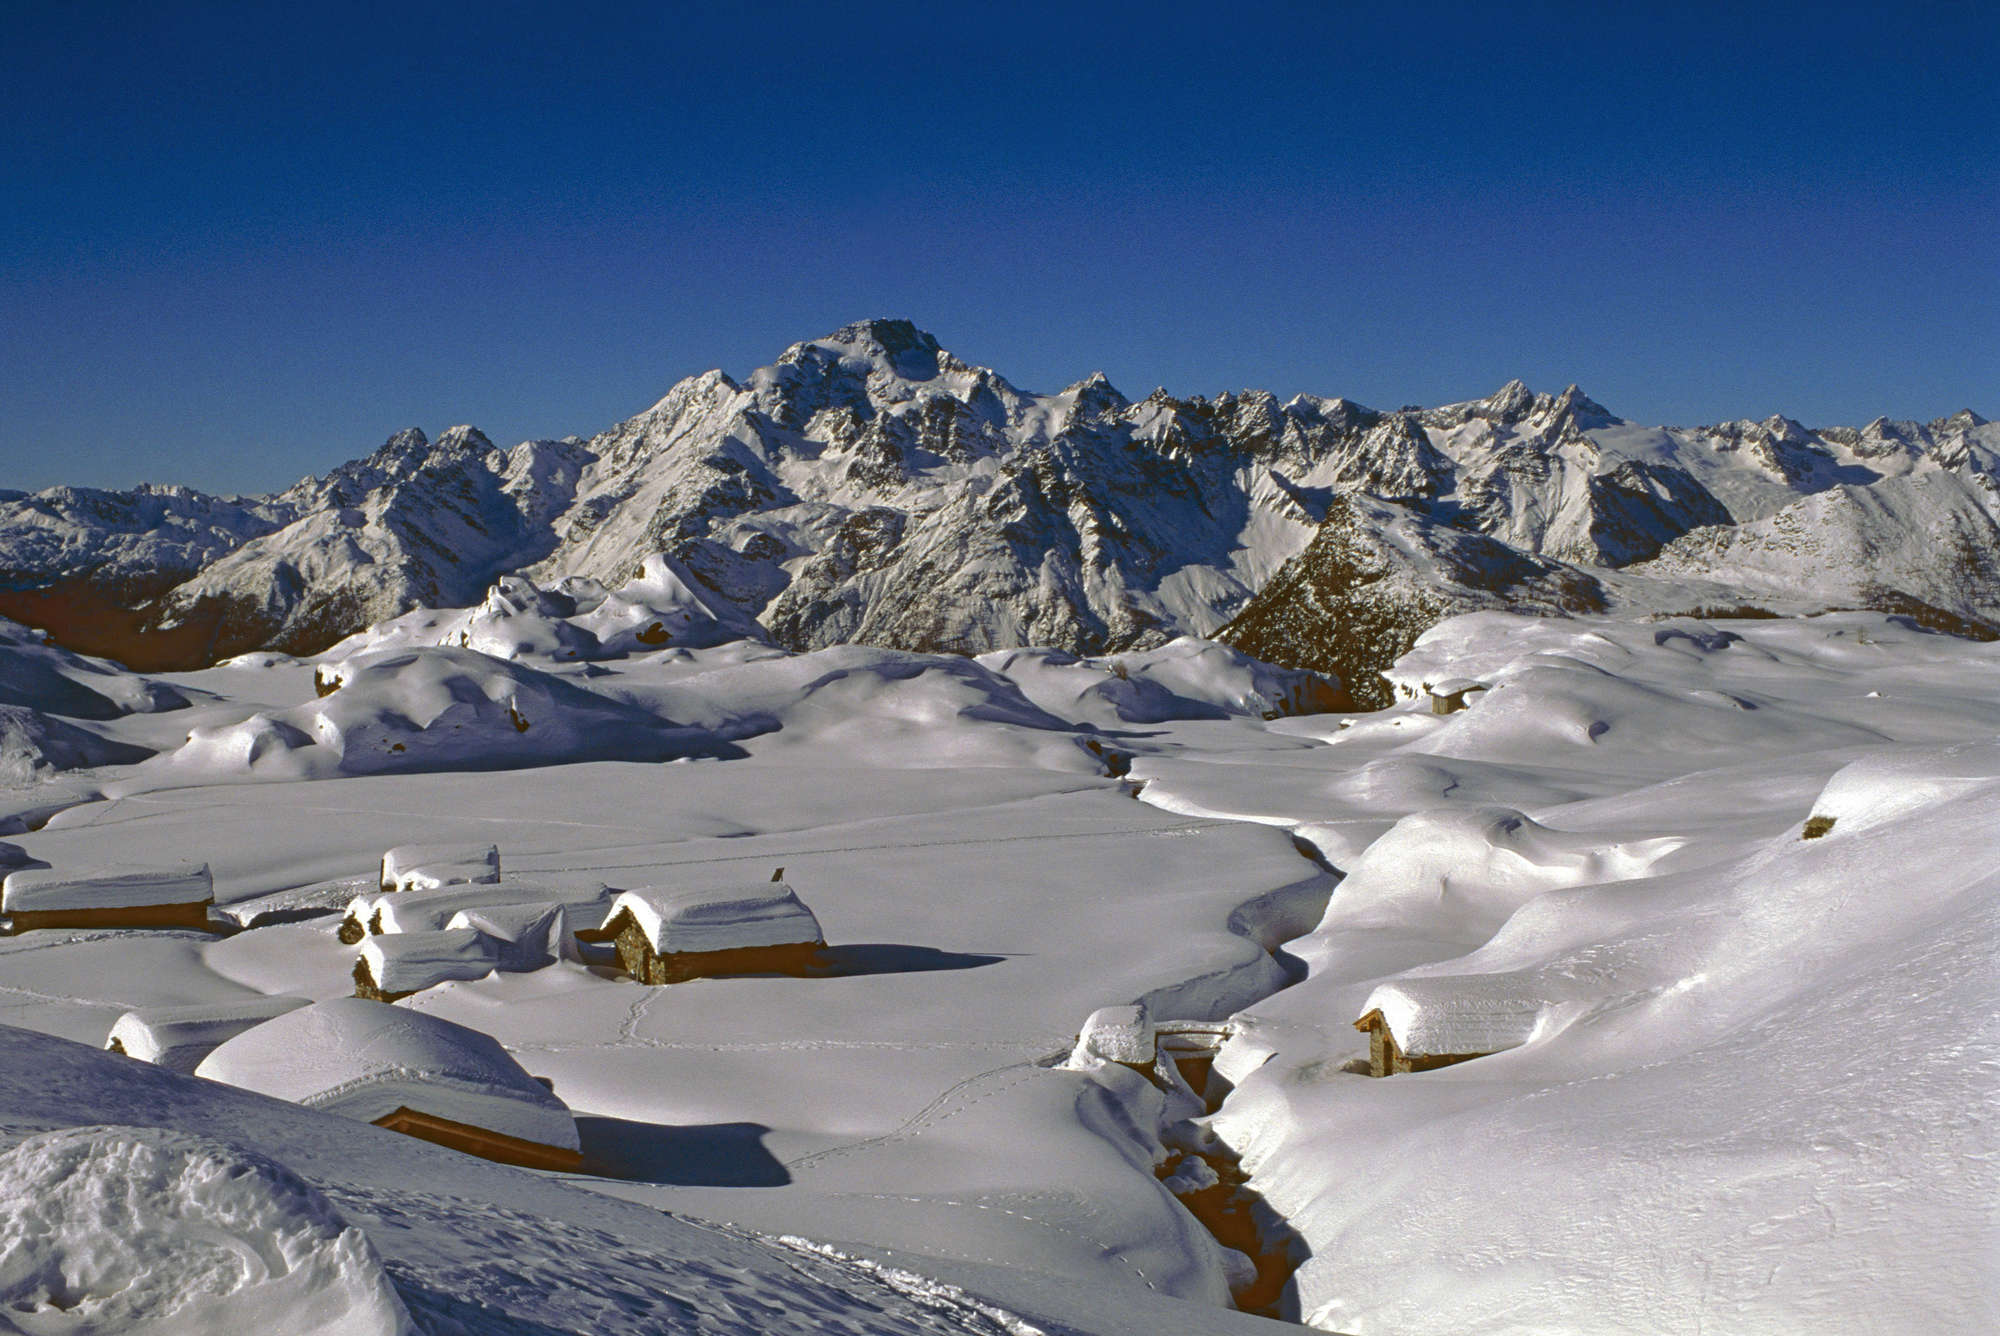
(180, 1037)
(175, 895)
(671, 935)
(407, 1071)
(1415, 1025)
(420, 866)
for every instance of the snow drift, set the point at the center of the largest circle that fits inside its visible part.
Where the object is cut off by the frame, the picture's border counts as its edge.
(119, 1229)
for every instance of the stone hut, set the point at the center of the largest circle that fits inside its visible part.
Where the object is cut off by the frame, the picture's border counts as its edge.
(108, 896)
(407, 1071)
(1449, 696)
(180, 1037)
(420, 866)
(1414, 1025)
(671, 935)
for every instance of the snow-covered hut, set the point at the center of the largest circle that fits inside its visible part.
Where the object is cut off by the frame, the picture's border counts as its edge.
(175, 895)
(180, 1037)
(527, 936)
(419, 866)
(407, 1071)
(673, 935)
(1449, 696)
(1416, 1024)
(395, 965)
(428, 910)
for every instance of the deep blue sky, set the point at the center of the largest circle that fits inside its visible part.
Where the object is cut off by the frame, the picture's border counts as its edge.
(241, 242)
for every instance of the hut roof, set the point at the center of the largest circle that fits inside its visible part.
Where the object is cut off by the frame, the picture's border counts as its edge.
(432, 908)
(1465, 1013)
(367, 1059)
(180, 1037)
(527, 936)
(719, 918)
(106, 886)
(420, 865)
(409, 962)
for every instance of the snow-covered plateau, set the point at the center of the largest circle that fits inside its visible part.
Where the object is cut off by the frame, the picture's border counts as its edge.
(1672, 938)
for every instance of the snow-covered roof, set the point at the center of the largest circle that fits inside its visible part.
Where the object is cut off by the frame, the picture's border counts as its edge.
(180, 1037)
(367, 1059)
(526, 937)
(719, 918)
(106, 886)
(1457, 1014)
(430, 909)
(418, 866)
(1116, 1034)
(408, 962)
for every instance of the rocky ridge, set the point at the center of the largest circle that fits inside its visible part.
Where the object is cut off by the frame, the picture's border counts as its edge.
(871, 487)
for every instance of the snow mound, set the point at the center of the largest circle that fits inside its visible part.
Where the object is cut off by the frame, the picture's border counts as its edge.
(33, 744)
(875, 706)
(1459, 872)
(415, 710)
(658, 607)
(125, 1229)
(581, 620)
(367, 1059)
(1189, 678)
(36, 674)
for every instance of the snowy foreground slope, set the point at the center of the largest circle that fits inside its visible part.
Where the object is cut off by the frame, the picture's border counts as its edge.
(1722, 889)
(870, 487)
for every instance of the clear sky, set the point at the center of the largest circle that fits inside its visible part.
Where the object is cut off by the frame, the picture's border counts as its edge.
(243, 242)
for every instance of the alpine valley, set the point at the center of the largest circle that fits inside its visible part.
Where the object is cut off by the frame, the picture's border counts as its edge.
(871, 488)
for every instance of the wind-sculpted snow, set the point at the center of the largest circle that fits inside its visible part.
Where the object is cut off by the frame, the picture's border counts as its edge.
(119, 1229)
(414, 710)
(1740, 981)
(1186, 679)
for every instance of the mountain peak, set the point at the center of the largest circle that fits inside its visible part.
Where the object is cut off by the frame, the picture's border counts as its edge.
(898, 345)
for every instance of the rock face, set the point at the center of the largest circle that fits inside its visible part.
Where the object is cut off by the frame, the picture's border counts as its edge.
(870, 487)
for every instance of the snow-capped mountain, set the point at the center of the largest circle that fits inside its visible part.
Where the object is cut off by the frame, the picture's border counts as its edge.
(871, 487)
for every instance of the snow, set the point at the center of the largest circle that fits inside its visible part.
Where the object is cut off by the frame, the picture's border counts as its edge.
(405, 962)
(111, 886)
(180, 1037)
(116, 1229)
(719, 918)
(425, 866)
(366, 1059)
(1714, 896)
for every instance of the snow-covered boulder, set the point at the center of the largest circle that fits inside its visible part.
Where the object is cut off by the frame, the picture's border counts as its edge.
(108, 896)
(425, 710)
(147, 1229)
(373, 1062)
(423, 866)
(395, 965)
(180, 1037)
(671, 935)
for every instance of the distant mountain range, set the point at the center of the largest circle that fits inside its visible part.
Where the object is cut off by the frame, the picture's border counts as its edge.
(871, 487)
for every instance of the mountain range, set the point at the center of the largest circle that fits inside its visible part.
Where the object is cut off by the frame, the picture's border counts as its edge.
(870, 487)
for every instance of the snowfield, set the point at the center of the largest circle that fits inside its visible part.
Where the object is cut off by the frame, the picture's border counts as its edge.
(1705, 908)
